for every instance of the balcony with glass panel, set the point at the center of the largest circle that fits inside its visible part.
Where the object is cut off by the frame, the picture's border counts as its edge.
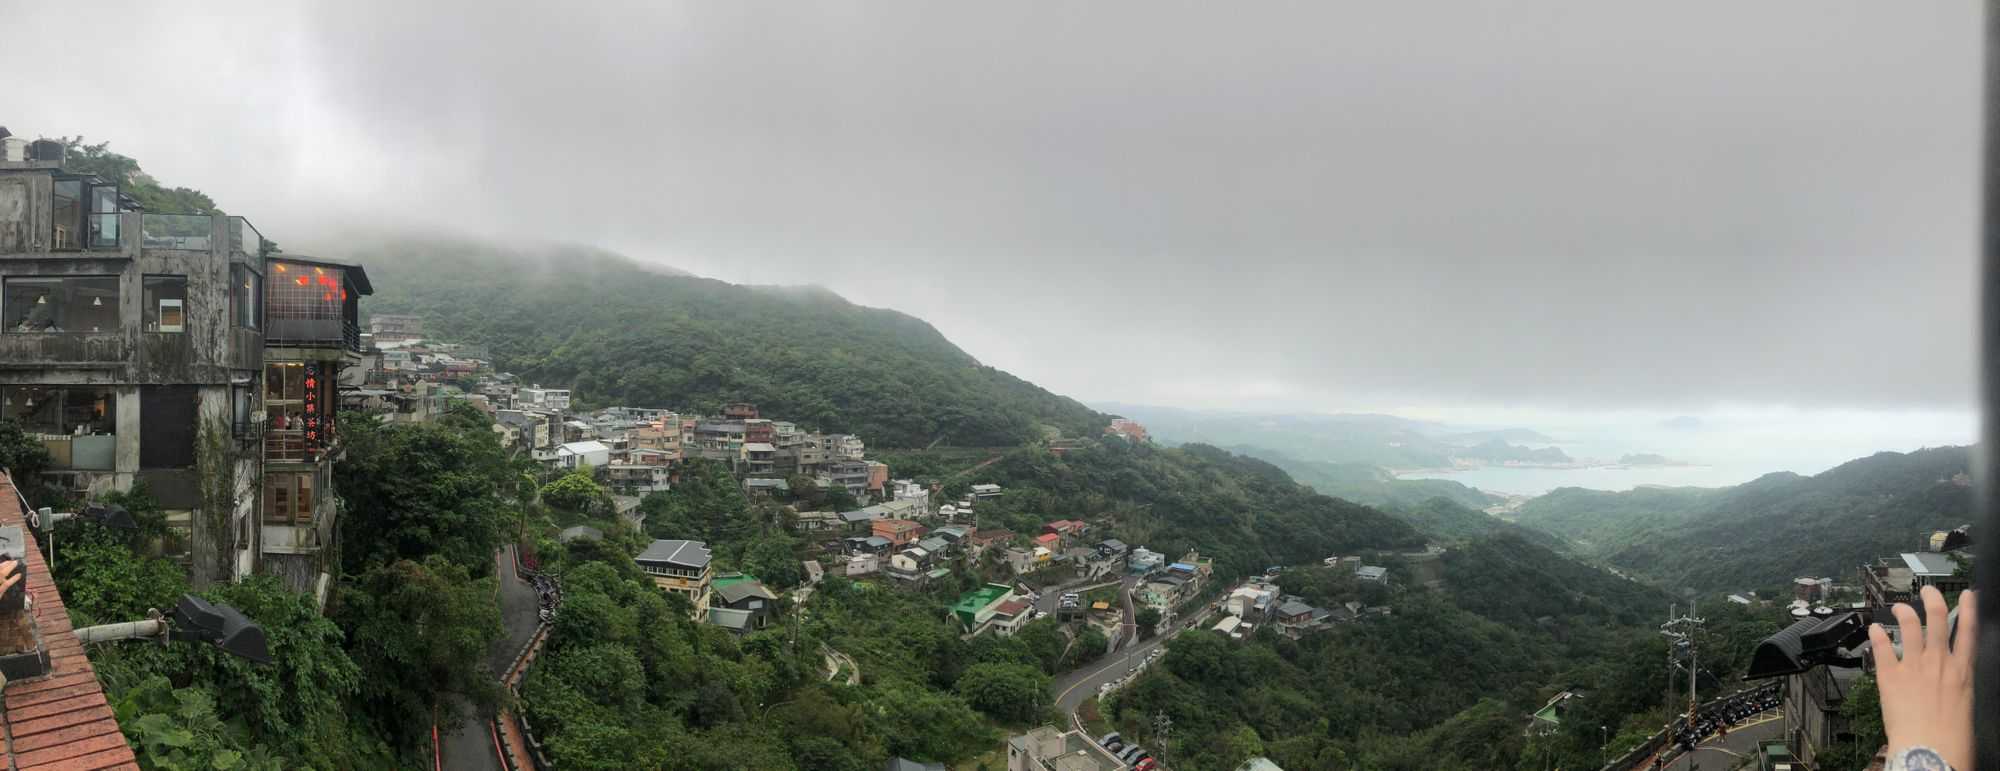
(313, 305)
(181, 232)
(61, 321)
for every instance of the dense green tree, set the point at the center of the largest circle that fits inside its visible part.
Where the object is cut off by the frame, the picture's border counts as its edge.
(1147, 619)
(772, 559)
(24, 458)
(417, 489)
(1011, 692)
(922, 724)
(578, 492)
(420, 632)
(104, 582)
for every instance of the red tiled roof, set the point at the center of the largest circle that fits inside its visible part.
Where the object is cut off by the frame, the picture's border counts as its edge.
(1011, 607)
(1047, 538)
(60, 721)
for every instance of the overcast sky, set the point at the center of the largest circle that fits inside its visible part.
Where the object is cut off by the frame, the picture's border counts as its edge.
(1334, 205)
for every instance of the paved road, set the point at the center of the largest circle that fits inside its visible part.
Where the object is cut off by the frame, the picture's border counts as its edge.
(1740, 747)
(1046, 601)
(1072, 689)
(470, 748)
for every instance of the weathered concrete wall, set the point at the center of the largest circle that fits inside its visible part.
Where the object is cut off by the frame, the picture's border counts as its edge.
(209, 351)
(24, 211)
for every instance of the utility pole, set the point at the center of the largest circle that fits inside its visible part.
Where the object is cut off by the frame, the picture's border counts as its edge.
(1681, 632)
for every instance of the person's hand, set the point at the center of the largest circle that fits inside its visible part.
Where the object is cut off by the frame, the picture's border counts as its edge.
(1927, 693)
(10, 574)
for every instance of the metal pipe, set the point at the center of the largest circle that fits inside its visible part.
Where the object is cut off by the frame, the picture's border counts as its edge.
(129, 630)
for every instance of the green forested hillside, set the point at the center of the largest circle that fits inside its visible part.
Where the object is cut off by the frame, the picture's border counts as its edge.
(1442, 682)
(1244, 512)
(1764, 533)
(619, 332)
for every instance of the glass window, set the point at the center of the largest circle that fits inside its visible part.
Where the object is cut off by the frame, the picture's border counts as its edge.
(59, 410)
(166, 303)
(310, 292)
(68, 208)
(66, 304)
(103, 216)
(244, 295)
(288, 499)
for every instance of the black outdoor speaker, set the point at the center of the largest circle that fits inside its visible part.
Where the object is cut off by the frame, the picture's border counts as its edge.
(14, 546)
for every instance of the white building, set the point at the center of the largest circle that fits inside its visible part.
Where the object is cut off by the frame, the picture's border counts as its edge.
(576, 454)
(550, 398)
(909, 490)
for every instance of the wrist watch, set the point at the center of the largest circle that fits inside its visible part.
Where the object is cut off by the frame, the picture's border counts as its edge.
(1916, 758)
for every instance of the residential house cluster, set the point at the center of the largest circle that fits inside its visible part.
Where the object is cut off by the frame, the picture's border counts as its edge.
(1259, 601)
(1065, 541)
(1180, 582)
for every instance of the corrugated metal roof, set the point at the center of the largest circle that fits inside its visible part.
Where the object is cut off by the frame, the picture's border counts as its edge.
(1929, 563)
(692, 554)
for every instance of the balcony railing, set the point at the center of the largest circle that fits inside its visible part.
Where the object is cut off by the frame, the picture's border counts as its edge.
(288, 445)
(244, 238)
(190, 232)
(313, 333)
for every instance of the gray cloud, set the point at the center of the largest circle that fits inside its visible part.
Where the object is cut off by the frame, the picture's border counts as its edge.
(1555, 204)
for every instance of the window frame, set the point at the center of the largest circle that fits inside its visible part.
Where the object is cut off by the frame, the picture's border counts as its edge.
(64, 288)
(151, 313)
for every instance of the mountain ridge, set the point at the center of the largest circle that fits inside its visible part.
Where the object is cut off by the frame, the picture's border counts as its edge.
(616, 332)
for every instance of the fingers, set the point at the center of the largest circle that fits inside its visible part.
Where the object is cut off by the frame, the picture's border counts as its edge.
(1912, 631)
(1885, 651)
(1937, 634)
(1968, 625)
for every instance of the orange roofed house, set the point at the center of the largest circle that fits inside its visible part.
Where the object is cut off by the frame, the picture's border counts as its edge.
(898, 531)
(59, 720)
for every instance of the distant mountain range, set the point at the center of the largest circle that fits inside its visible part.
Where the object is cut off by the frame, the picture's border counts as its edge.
(1762, 534)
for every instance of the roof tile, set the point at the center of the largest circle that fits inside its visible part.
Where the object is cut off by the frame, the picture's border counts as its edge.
(109, 751)
(60, 721)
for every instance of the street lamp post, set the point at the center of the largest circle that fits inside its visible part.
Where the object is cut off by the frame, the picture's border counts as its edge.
(193, 620)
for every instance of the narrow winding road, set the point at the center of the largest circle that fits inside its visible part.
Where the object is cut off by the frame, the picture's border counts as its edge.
(1073, 689)
(471, 747)
(1734, 750)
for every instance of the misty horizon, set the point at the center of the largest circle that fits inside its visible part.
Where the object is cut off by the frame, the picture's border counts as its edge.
(1573, 210)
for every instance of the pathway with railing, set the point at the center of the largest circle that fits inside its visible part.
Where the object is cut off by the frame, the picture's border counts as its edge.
(513, 736)
(1660, 749)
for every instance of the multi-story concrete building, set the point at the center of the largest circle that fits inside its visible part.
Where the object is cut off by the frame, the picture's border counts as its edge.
(311, 333)
(680, 567)
(546, 398)
(171, 351)
(663, 435)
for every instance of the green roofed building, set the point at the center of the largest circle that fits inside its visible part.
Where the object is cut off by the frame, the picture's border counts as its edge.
(732, 578)
(976, 607)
